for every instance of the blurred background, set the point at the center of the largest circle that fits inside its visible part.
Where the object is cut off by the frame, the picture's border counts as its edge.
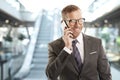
(27, 26)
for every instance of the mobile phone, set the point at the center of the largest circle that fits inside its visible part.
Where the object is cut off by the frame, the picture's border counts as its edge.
(66, 24)
(68, 27)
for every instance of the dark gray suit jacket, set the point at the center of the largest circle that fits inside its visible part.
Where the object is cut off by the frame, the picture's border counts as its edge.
(63, 65)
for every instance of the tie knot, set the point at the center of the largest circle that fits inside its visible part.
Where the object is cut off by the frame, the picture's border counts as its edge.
(74, 41)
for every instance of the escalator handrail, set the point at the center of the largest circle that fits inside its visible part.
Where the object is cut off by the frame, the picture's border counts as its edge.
(24, 70)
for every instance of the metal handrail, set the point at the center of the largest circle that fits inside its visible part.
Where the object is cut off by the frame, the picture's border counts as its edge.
(28, 58)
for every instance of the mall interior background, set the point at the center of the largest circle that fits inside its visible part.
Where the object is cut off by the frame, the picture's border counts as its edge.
(27, 26)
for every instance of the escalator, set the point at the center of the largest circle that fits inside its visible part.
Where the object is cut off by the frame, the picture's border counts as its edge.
(40, 56)
(48, 29)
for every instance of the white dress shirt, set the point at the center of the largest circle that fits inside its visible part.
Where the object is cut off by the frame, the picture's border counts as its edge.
(79, 45)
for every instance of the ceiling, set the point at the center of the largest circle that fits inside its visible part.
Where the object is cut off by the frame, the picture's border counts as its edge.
(111, 17)
(87, 7)
(92, 9)
(12, 20)
(36, 5)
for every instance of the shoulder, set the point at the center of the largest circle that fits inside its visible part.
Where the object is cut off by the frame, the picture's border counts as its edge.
(56, 45)
(56, 42)
(91, 38)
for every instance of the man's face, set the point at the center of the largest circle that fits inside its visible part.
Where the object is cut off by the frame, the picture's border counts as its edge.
(75, 22)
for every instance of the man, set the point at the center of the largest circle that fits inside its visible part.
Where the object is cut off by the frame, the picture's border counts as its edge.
(64, 63)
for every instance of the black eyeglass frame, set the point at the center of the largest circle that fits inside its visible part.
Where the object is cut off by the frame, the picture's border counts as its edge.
(66, 21)
(75, 20)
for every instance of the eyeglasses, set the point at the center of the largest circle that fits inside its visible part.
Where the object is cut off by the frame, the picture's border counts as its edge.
(74, 21)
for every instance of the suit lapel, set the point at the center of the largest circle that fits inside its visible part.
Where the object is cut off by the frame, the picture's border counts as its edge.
(72, 59)
(87, 49)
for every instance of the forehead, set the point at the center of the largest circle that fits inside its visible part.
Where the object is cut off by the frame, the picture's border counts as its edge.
(74, 15)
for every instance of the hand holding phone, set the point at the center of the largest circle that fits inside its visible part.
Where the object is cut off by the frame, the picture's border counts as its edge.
(68, 37)
(68, 32)
(68, 27)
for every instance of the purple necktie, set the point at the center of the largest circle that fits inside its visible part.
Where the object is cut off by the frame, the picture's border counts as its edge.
(76, 54)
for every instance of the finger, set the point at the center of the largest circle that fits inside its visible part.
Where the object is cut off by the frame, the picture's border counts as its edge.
(65, 28)
(70, 35)
(68, 32)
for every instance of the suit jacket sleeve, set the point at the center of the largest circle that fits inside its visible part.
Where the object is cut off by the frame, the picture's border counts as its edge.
(56, 62)
(103, 65)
